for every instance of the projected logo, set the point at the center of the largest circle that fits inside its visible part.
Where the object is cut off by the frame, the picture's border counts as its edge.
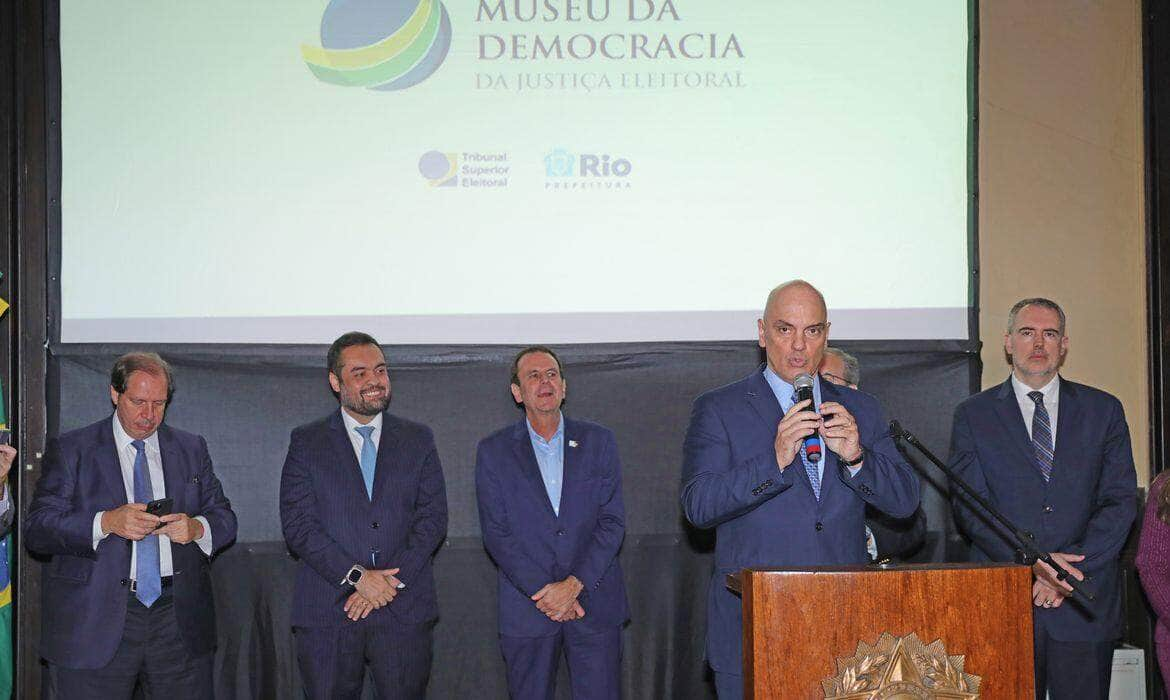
(439, 168)
(559, 163)
(380, 44)
(564, 170)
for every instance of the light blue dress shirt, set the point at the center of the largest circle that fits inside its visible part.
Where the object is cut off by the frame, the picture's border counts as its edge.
(550, 457)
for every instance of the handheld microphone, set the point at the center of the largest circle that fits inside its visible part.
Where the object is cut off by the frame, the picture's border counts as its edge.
(804, 390)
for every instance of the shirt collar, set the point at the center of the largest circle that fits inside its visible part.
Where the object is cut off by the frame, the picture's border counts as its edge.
(784, 391)
(122, 439)
(1050, 390)
(560, 433)
(351, 423)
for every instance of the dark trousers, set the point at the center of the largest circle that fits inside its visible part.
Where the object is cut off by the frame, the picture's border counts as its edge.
(595, 664)
(1071, 670)
(333, 660)
(151, 652)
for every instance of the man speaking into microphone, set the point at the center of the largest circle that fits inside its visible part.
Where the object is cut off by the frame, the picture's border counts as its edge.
(782, 485)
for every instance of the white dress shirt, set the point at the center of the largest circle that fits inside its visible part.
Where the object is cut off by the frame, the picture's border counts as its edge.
(1051, 392)
(126, 456)
(355, 438)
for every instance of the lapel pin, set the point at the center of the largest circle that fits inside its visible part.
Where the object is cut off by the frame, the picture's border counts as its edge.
(572, 443)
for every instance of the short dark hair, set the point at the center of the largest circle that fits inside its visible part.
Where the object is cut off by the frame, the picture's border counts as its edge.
(852, 366)
(347, 340)
(148, 362)
(528, 351)
(1035, 301)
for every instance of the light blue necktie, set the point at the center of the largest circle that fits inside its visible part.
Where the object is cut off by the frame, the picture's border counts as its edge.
(148, 578)
(1041, 435)
(369, 457)
(810, 468)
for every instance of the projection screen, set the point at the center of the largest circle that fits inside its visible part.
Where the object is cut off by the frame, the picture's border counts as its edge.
(465, 171)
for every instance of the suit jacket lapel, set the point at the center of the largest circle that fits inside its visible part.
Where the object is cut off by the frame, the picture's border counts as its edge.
(384, 467)
(108, 463)
(831, 472)
(1007, 408)
(1067, 414)
(172, 478)
(529, 469)
(347, 467)
(573, 468)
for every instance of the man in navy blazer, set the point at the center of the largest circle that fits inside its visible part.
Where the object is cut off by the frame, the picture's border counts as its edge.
(550, 507)
(364, 507)
(746, 472)
(126, 594)
(1055, 457)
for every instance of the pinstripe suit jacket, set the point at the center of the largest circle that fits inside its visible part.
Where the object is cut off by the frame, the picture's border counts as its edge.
(330, 523)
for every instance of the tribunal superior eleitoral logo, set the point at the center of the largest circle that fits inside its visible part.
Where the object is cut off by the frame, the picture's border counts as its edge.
(380, 44)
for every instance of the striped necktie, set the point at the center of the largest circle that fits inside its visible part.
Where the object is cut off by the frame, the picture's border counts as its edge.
(1041, 435)
(810, 468)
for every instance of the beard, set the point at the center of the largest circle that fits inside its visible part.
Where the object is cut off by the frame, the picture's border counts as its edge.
(365, 405)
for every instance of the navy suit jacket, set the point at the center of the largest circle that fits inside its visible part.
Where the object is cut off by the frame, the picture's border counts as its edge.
(330, 523)
(1086, 508)
(532, 546)
(765, 518)
(83, 608)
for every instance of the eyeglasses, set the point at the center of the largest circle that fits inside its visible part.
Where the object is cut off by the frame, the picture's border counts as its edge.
(835, 379)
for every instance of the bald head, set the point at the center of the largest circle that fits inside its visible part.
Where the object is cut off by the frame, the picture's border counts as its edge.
(797, 291)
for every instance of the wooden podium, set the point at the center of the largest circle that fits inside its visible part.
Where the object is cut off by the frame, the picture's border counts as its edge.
(799, 622)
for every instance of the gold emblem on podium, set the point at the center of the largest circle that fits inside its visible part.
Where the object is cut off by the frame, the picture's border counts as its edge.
(901, 668)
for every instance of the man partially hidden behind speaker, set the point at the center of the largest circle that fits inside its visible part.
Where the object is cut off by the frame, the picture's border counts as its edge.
(747, 470)
(1055, 457)
(886, 538)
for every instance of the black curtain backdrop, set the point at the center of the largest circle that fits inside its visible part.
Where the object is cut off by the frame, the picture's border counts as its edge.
(246, 399)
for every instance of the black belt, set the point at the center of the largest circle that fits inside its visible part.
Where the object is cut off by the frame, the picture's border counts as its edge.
(167, 582)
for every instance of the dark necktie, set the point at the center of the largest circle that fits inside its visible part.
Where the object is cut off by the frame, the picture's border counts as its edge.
(1041, 435)
(148, 578)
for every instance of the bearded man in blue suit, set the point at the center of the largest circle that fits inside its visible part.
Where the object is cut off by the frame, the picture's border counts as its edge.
(746, 470)
(550, 507)
(1055, 457)
(363, 505)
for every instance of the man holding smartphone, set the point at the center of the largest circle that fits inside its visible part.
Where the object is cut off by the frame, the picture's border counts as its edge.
(129, 511)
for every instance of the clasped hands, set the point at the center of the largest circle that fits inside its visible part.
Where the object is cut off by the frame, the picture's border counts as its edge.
(132, 522)
(559, 600)
(375, 589)
(836, 424)
(1047, 591)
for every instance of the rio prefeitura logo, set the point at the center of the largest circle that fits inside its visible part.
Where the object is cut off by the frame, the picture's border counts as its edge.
(380, 44)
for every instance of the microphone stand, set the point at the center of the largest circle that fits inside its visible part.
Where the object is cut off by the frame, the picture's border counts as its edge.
(1024, 539)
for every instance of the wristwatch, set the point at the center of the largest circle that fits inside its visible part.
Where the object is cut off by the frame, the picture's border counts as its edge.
(353, 575)
(851, 463)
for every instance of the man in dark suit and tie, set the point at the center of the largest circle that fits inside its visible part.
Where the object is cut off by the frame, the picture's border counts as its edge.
(126, 593)
(1055, 457)
(550, 508)
(747, 473)
(364, 507)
